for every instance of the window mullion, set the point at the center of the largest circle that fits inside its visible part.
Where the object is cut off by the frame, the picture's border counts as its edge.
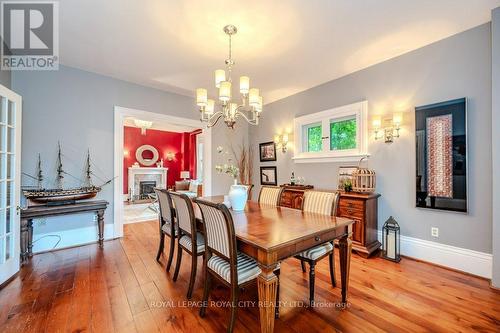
(325, 133)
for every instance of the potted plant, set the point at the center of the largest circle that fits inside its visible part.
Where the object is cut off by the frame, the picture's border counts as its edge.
(347, 185)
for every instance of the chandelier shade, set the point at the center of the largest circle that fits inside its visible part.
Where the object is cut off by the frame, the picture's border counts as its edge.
(212, 110)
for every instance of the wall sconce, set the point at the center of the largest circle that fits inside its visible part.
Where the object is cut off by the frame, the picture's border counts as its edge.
(126, 153)
(170, 156)
(281, 141)
(387, 132)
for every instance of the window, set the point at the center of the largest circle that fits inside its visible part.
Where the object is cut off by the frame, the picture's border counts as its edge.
(343, 134)
(333, 135)
(312, 137)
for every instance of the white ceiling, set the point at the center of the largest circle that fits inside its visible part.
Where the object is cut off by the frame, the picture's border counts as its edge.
(284, 46)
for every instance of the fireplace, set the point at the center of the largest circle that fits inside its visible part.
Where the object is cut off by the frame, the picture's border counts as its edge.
(146, 187)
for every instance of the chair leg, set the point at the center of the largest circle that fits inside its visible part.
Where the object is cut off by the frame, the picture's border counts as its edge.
(277, 305)
(160, 246)
(331, 258)
(178, 262)
(170, 253)
(206, 291)
(302, 264)
(234, 307)
(312, 276)
(194, 264)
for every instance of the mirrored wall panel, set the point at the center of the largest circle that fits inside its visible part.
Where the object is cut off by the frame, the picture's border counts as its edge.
(441, 149)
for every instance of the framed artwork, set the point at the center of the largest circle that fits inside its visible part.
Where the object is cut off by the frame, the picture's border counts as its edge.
(267, 151)
(345, 173)
(441, 155)
(268, 175)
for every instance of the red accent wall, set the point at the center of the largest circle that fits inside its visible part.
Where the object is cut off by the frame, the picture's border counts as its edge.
(165, 142)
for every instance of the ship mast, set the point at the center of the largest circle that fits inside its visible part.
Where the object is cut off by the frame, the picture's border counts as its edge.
(60, 170)
(39, 175)
(89, 172)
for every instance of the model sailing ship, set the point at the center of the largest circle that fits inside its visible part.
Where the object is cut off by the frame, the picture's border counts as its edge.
(60, 195)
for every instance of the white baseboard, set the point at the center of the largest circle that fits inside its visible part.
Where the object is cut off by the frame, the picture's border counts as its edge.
(72, 237)
(465, 260)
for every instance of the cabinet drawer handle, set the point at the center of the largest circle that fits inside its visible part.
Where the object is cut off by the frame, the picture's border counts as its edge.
(350, 204)
(349, 211)
(317, 239)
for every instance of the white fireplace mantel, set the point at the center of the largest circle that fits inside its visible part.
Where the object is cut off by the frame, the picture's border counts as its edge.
(138, 174)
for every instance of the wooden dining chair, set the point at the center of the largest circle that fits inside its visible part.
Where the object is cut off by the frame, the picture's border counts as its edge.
(167, 224)
(324, 203)
(270, 195)
(190, 240)
(222, 260)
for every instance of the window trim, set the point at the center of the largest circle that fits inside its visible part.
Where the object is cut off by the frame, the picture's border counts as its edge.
(359, 110)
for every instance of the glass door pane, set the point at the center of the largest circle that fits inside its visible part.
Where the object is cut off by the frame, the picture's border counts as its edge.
(3, 110)
(11, 114)
(10, 108)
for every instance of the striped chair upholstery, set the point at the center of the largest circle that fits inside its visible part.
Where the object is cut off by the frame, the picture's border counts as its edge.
(270, 195)
(200, 242)
(165, 205)
(320, 202)
(317, 251)
(167, 229)
(219, 238)
(182, 212)
(168, 226)
(246, 266)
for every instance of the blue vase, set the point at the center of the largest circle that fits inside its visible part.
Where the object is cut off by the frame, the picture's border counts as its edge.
(238, 197)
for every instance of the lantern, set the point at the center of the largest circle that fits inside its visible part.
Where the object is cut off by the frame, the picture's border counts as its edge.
(391, 240)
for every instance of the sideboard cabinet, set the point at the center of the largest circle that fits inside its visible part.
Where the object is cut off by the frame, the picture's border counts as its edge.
(361, 207)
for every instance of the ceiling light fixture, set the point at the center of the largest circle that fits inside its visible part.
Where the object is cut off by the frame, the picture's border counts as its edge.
(251, 101)
(143, 125)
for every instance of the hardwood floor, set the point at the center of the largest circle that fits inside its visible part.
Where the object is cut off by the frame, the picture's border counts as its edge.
(123, 289)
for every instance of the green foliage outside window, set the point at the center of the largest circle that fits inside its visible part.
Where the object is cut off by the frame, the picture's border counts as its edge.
(343, 134)
(314, 142)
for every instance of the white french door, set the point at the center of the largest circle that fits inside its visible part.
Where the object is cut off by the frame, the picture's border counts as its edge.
(10, 186)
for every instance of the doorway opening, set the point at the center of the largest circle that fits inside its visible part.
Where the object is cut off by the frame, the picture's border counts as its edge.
(156, 150)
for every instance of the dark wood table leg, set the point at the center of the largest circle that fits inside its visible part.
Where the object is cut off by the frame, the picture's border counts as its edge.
(24, 240)
(267, 283)
(30, 238)
(345, 249)
(100, 226)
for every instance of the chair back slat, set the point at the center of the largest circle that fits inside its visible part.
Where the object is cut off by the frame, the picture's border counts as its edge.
(219, 229)
(270, 195)
(165, 204)
(320, 202)
(184, 212)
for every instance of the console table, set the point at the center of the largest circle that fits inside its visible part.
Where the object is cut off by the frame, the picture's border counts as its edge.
(33, 212)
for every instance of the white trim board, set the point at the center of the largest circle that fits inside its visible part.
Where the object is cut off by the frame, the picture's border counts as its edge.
(465, 260)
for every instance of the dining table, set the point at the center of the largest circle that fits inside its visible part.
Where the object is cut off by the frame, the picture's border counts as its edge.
(271, 234)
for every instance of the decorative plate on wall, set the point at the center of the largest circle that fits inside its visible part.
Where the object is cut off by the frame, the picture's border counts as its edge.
(147, 155)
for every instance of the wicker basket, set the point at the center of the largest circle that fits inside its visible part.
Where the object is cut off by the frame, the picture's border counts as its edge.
(363, 179)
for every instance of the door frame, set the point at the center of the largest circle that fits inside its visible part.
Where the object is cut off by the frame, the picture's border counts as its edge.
(120, 113)
(14, 265)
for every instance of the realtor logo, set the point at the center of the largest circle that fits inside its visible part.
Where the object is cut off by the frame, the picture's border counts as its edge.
(30, 35)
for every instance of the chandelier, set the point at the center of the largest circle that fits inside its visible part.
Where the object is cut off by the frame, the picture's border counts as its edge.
(250, 106)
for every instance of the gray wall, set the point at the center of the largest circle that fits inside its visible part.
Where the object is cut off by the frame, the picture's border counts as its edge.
(5, 78)
(5, 75)
(495, 121)
(459, 66)
(75, 107)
